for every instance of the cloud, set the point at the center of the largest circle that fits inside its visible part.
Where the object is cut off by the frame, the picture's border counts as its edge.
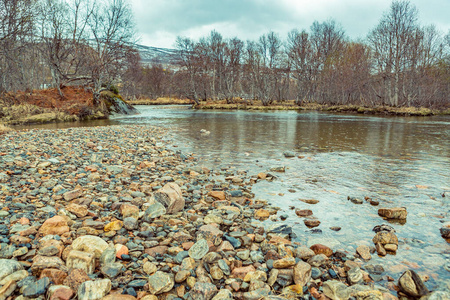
(159, 22)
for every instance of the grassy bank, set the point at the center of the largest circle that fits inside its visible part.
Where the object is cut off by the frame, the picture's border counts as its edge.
(47, 106)
(290, 105)
(161, 101)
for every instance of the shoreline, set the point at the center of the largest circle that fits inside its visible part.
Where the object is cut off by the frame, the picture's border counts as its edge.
(290, 105)
(176, 227)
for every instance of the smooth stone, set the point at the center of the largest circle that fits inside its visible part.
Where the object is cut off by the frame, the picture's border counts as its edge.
(199, 249)
(203, 291)
(9, 266)
(302, 273)
(160, 282)
(411, 284)
(90, 243)
(94, 290)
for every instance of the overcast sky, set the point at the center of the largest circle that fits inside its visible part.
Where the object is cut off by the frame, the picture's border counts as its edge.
(159, 22)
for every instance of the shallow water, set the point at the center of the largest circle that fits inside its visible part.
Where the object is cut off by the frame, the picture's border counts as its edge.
(400, 161)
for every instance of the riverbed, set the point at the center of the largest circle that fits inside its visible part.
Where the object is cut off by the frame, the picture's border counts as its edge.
(398, 161)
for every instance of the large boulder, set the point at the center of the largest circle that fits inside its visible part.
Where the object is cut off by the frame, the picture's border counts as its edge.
(171, 197)
(411, 284)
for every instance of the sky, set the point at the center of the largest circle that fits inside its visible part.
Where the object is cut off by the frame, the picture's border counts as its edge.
(159, 22)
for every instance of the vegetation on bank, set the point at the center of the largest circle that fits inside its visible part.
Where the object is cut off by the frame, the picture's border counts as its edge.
(258, 105)
(46, 106)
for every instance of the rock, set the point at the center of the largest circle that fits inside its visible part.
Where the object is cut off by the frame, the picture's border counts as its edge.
(302, 273)
(56, 276)
(288, 154)
(129, 210)
(242, 271)
(369, 295)
(203, 291)
(445, 232)
(311, 223)
(75, 278)
(91, 244)
(303, 212)
(380, 249)
(120, 250)
(113, 226)
(78, 210)
(354, 276)
(223, 294)
(335, 290)
(398, 213)
(8, 267)
(7, 289)
(171, 197)
(56, 225)
(37, 288)
(68, 196)
(211, 218)
(46, 262)
(182, 276)
(262, 214)
(93, 290)
(321, 249)
(384, 237)
(391, 247)
(59, 292)
(304, 253)
(16, 276)
(199, 249)
(256, 294)
(130, 223)
(154, 211)
(218, 195)
(283, 263)
(119, 297)
(210, 232)
(160, 282)
(318, 260)
(364, 252)
(149, 268)
(216, 272)
(411, 284)
(81, 260)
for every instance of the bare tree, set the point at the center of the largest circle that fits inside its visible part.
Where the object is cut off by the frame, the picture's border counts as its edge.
(391, 42)
(16, 30)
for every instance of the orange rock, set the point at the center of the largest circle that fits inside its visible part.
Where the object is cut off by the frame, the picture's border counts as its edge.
(242, 271)
(121, 250)
(55, 275)
(321, 249)
(24, 221)
(262, 214)
(218, 195)
(279, 240)
(56, 225)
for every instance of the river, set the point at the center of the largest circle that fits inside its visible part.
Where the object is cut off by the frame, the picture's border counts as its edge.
(399, 161)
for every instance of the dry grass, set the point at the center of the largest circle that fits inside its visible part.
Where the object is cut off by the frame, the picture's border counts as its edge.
(161, 101)
(290, 105)
(4, 129)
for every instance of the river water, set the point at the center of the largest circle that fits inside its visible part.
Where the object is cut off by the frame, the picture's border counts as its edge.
(399, 161)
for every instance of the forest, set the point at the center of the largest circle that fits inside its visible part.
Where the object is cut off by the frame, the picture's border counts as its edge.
(52, 43)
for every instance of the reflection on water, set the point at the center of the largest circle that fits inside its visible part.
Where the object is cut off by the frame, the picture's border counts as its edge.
(396, 160)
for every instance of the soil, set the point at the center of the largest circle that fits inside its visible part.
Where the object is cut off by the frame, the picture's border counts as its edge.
(73, 100)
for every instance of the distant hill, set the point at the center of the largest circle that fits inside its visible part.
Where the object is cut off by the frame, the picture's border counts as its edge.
(152, 55)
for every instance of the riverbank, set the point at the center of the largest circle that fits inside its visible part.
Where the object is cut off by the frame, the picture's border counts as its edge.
(115, 210)
(161, 101)
(48, 106)
(290, 105)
